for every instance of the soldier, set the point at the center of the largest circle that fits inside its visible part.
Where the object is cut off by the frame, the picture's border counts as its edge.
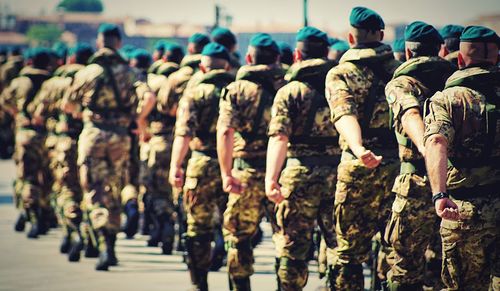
(301, 135)
(11, 68)
(244, 115)
(30, 156)
(140, 60)
(337, 50)
(354, 90)
(105, 91)
(170, 61)
(398, 47)
(413, 223)
(159, 50)
(64, 129)
(195, 129)
(451, 35)
(286, 55)
(462, 153)
(168, 97)
(226, 38)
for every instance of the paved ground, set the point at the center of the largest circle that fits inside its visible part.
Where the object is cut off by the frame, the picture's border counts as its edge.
(36, 264)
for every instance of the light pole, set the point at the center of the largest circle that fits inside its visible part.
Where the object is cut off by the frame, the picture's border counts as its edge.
(305, 13)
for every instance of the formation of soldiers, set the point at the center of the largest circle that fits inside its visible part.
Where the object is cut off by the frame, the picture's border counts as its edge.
(365, 143)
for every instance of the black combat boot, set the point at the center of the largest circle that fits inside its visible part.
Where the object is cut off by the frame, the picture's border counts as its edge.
(218, 252)
(76, 247)
(91, 250)
(65, 243)
(198, 276)
(107, 256)
(20, 222)
(33, 215)
(167, 236)
(131, 210)
(110, 248)
(239, 284)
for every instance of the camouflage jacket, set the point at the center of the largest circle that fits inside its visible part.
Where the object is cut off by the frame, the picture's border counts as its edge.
(106, 89)
(20, 95)
(349, 86)
(452, 57)
(245, 106)
(10, 70)
(413, 83)
(466, 113)
(301, 113)
(199, 108)
(163, 116)
(50, 97)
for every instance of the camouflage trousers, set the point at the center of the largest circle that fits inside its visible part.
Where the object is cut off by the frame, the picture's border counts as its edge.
(69, 196)
(103, 158)
(409, 231)
(309, 194)
(203, 201)
(361, 210)
(241, 220)
(31, 189)
(155, 159)
(471, 246)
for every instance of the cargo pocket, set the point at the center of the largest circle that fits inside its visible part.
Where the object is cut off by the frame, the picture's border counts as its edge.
(393, 229)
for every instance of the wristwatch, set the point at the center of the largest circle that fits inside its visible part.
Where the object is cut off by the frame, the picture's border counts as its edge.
(438, 196)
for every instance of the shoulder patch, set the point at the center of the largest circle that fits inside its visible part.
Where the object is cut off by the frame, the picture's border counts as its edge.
(391, 97)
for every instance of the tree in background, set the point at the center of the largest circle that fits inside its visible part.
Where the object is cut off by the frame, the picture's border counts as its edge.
(81, 5)
(44, 34)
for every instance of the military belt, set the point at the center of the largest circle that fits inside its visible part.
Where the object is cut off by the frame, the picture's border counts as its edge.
(118, 129)
(255, 163)
(464, 193)
(311, 161)
(414, 167)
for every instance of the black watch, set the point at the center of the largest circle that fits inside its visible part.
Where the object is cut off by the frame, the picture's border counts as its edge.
(438, 196)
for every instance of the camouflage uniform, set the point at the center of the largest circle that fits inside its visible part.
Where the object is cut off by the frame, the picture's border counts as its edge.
(197, 117)
(31, 190)
(452, 58)
(106, 89)
(245, 107)
(63, 130)
(8, 72)
(301, 113)
(466, 114)
(413, 219)
(355, 87)
(158, 74)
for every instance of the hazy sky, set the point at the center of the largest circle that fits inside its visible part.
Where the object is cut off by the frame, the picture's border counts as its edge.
(327, 13)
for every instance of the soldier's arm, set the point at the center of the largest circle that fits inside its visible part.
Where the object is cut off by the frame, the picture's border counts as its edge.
(405, 107)
(280, 128)
(184, 131)
(228, 120)
(344, 116)
(8, 100)
(438, 132)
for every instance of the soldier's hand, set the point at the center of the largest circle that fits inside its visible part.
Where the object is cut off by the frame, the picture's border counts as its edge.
(369, 159)
(232, 185)
(447, 209)
(176, 177)
(273, 192)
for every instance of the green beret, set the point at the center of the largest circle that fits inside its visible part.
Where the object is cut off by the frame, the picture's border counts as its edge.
(160, 45)
(174, 48)
(312, 34)
(451, 31)
(61, 49)
(286, 52)
(365, 18)
(223, 36)
(81, 48)
(399, 45)
(333, 40)
(142, 56)
(265, 42)
(216, 50)
(479, 34)
(109, 29)
(419, 31)
(127, 50)
(340, 46)
(199, 39)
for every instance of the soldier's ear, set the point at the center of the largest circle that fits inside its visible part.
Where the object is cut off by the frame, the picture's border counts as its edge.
(248, 59)
(443, 52)
(297, 55)
(408, 54)
(351, 40)
(381, 35)
(461, 60)
(202, 68)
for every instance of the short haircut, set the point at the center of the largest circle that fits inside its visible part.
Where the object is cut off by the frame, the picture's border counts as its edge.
(312, 50)
(420, 49)
(213, 63)
(452, 43)
(262, 56)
